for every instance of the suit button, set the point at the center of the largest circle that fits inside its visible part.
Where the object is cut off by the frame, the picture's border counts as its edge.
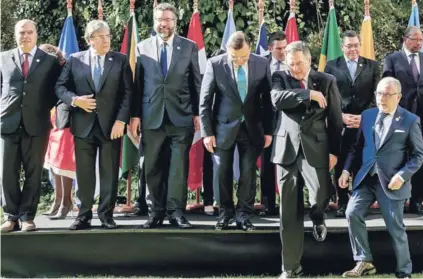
(24, 93)
(22, 106)
(25, 81)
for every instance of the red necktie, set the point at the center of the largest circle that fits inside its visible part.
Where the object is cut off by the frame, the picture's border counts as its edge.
(25, 65)
(302, 84)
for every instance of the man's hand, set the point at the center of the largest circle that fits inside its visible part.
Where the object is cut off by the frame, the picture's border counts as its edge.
(117, 130)
(343, 180)
(351, 120)
(86, 102)
(197, 123)
(318, 97)
(332, 161)
(210, 143)
(135, 127)
(267, 140)
(395, 183)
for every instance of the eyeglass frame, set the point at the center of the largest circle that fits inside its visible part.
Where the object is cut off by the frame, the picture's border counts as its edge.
(386, 95)
(414, 40)
(103, 37)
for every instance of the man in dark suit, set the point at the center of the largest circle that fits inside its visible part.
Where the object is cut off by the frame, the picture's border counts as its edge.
(28, 76)
(357, 78)
(307, 143)
(406, 65)
(388, 151)
(235, 110)
(97, 83)
(168, 84)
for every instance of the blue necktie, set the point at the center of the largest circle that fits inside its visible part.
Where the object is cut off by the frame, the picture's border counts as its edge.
(379, 129)
(278, 66)
(352, 66)
(163, 59)
(97, 73)
(242, 83)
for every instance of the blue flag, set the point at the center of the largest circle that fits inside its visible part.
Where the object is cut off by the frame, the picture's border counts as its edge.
(229, 29)
(414, 18)
(68, 43)
(262, 48)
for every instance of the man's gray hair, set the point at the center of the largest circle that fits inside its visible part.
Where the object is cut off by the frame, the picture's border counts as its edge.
(94, 26)
(298, 46)
(167, 7)
(391, 82)
(25, 21)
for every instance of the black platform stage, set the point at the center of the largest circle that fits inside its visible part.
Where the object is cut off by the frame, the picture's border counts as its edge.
(54, 251)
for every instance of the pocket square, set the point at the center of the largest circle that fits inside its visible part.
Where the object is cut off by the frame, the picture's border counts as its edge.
(399, 131)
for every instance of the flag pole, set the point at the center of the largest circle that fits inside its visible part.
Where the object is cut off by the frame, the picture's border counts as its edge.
(69, 6)
(100, 10)
(331, 4)
(413, 2)
(292, 6)
(367, 8)
(261, 12)
(231, 5)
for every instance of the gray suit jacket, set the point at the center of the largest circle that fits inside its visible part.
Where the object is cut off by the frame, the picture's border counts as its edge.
(302, 122)
(223, 118)
(178, 93)
(29, 100)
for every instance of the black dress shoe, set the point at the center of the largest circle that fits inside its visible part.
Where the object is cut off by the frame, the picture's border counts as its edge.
(415, 208)
(245, 225)
(320, 231)
(108, 223)
(340, 213)
(139, 211)
(180, 222)
(80, 224)
(223, 223)
(153, 222)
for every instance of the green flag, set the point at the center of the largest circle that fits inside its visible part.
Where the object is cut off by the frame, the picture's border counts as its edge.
(331, 46)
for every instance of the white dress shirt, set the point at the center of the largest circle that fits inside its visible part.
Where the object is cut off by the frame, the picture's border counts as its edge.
(30, 56)
(416, 58)
(274, 65)
(169, 48)
(93, 61)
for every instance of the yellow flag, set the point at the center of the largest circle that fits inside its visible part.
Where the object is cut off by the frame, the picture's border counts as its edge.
(367, 45)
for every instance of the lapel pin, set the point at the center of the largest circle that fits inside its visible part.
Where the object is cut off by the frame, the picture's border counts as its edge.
(361, 65)
(38, 60)
(178, 47)
(110, 59)
(398, 118)
(314, 84)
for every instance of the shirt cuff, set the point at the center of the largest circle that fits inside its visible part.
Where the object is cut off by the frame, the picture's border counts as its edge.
(121, 122)
(400, 177)
(346, 172)
(73, 102)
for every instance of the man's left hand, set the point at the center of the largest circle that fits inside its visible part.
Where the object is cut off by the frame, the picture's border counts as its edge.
(197, 123)
(355, 122)
(117, 130)
(395, 183)
(267, 140)
(332, 161)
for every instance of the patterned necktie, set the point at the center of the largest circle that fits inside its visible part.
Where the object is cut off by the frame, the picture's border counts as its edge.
(163, 59)
(97, 72)
(414, 69)
(242, 83)
(352, 66)
(278, 66)
(25, 65)
(379, 129)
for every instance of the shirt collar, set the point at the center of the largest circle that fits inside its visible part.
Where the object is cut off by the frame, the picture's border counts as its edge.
(169, 41)
(347, 59)
(92, 54)
(31, 53)
(274, 61)
(392, 113)
(408, 53)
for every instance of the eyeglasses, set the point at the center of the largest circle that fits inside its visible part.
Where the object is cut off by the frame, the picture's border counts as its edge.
(166, 20)
(103, 37)
(415, 40)
(385, 95)
(352, 46)
(235, 58)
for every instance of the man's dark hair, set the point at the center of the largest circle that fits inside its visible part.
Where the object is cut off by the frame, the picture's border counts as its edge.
(350, 34)
(217, 52)
(237, 40)
(276, 36)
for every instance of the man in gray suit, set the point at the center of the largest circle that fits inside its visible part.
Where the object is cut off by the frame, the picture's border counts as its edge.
(165, 110)
(388, 151)
(235, 110)
(28, 76)
(307, 142)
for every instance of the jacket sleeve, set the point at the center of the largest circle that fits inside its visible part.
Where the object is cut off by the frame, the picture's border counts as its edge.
(334, 118)
(206, 101)
(127, 91)
(194, 80)
(283, 98)
(64, 85)
(266, 103)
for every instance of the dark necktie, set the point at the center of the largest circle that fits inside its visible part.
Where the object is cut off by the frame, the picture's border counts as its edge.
(379, 129)
(278, 66)
(414, 69)
(163, 59)
(25, 65)
(97, 72)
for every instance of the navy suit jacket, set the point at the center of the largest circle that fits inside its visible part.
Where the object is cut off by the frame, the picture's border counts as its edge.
(401, 152)
(396, 65)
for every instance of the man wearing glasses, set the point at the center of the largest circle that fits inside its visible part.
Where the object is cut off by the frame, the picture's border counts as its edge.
(357, 78)
(387, 152)
(165, 112)
(97, 84)
(406, 65)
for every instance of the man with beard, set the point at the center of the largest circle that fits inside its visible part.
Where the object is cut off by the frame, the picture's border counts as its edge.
(165, 111)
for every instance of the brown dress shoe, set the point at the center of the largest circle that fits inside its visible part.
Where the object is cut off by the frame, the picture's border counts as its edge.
(361, 269)
(28, 226)
(10, 226)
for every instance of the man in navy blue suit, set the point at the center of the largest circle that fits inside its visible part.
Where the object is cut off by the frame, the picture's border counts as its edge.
(388, 151)
(406, 65)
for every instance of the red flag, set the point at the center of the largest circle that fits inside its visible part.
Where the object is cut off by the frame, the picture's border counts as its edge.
(196, 154)
(291, 30)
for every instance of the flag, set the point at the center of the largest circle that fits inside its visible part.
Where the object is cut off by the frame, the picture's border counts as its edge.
(229, 29)
(366, 34)
(262, 48)
(414, 18)
(129, 154)
(68, 43)
(291, 30)
(331, 46)
(196, 153)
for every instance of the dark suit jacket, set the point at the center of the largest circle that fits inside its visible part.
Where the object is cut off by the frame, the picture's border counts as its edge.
(178, 93)
(358, 94)
(302, 121)
(113, 98)
(396, 65)
(400, 153)
(29, 100)
(223, 120)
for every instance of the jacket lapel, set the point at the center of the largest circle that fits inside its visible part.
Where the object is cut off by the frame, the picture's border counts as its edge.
(17, 60)
(406, 64)
(372, 121)
(176, 53)
(312, 81)
(86, 69)
(361, 63)
(421, 67)
(396, 123)
(344, 67)
(231, 78)
(108, 61)
(36, 60)
(251, 76)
